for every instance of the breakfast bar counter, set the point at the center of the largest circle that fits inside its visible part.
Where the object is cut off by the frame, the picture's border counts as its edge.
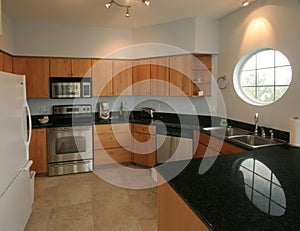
(254, 190)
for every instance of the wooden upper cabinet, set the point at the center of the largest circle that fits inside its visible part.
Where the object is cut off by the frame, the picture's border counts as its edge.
(36, 71)
(60, 67)
(65, 67)
(81, 67)
(141, 77)
(6, 63)
(122, 77)
(160, 77)
(190, 75)
(102, 77)
(180, 75)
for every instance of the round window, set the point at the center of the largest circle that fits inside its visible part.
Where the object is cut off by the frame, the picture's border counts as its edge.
(262, 76)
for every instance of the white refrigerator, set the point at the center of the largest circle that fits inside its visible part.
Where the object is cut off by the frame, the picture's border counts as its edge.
(16, 180)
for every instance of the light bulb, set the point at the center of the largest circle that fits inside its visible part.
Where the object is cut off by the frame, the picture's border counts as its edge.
(127, 12)
(108, 4)
(245, 3)
(147, 2)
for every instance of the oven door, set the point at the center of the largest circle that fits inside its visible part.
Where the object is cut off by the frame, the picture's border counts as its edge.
(69, 143)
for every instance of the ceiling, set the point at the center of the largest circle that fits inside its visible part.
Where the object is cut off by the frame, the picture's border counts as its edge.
(94, 12)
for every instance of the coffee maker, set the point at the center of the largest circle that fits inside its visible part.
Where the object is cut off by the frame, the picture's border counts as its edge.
(104, 110)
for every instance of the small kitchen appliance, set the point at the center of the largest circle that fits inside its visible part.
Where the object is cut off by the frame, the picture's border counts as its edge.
(147, 112)
(68, 87)
(104, 110)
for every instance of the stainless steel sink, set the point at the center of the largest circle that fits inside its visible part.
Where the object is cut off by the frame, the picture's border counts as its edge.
(227, 131)
(253, 141)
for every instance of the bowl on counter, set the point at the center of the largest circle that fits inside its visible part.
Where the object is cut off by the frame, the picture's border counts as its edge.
(43, 120)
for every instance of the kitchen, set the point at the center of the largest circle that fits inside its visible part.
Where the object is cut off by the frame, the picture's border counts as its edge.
(227, 39)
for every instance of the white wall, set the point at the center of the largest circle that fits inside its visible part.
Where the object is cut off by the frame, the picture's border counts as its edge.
(42, 39)
(206, 35)
(180, 33)
(6, 39)
(194, 35)
(272, 24)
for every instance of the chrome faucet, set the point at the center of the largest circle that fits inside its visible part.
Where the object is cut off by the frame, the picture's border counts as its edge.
(256, 124)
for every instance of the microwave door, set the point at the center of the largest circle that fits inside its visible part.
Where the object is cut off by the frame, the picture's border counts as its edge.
(73, 90)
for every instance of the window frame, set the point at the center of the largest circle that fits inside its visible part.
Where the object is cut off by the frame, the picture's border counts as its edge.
(239, 70)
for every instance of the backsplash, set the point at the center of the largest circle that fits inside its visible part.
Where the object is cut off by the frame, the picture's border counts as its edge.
(181, 105)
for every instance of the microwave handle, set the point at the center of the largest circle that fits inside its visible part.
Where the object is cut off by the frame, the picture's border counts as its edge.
(83, 90)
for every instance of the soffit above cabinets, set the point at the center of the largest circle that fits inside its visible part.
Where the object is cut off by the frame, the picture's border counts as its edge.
(94, 12)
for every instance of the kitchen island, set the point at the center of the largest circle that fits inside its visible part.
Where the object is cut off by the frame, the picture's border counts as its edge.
(254, 190)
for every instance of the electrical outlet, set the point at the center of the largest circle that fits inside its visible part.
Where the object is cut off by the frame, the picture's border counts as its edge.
(43, 108)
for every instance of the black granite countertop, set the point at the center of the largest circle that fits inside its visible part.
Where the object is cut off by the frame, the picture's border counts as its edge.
(255, 190)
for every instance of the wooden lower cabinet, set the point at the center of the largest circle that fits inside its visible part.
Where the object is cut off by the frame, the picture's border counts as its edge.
(6, 62)
(174, 214)
(111, 144)
(38, 151)
(144, 144)
(205, 145)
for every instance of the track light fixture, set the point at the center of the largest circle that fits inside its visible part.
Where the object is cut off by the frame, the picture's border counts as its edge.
(247, 2)
(127, 14)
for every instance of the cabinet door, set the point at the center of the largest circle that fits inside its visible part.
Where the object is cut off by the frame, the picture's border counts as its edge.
(141, 77)
(81, 67)
(111, 156)
(180, 75)
(38, 150)
(228, 148)
(144, 148)
(173, 213)
(6, 62)
(37, 75)
(203, 150)
(102, 77)
(160, 77)
(122, 77)
(60, 67)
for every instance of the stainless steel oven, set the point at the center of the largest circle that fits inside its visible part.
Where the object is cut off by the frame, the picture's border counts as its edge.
(70, 142)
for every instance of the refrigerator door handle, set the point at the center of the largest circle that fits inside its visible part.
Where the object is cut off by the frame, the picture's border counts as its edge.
(30, 123)
(27, 165)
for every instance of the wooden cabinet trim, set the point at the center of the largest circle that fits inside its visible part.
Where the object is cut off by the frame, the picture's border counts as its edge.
(173, 213)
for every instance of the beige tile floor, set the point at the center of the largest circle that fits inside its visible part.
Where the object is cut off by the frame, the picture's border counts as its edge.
(85, 202)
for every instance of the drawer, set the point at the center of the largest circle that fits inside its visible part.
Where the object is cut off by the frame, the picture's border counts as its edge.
(148, 160)
(210, 141)
(111, 156)
(204, 150)
(142, 128)
(111, 140)
(228, 148)
(110, 128)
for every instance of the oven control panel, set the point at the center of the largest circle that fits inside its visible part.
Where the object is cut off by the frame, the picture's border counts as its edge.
(72, 109)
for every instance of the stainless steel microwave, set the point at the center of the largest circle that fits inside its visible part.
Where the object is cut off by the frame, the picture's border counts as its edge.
(61, 88)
